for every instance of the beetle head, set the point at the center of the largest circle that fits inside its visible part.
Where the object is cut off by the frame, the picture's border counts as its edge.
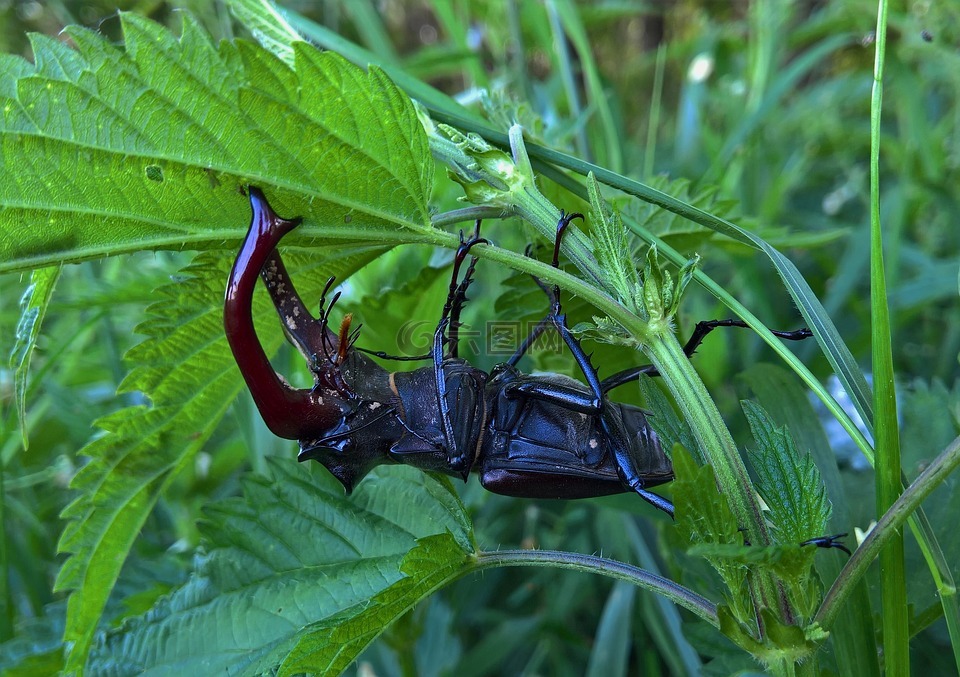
(362, 438)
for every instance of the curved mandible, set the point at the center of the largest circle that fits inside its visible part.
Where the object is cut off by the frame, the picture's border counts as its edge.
(289, 412)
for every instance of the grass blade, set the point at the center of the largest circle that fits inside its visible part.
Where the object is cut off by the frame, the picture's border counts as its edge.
(893, 583)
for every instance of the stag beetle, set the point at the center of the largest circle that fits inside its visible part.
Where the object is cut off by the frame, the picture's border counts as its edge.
(536, 436)
(526, 436)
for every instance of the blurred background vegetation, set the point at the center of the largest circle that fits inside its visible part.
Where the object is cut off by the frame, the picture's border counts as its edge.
(756, 111)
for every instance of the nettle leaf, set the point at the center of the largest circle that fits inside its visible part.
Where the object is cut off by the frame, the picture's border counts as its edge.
(680, 233)
(297, 577)
(33, 306)
(146, 147)
(610, 245)
(705, 521)
(797, 506)
(788, 481)
(186, 368)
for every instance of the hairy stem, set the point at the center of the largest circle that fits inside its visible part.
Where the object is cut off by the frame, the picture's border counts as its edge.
(679, 595)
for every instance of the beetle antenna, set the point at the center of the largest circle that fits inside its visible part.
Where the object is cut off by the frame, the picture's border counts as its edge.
(354, 335)
(325, 321)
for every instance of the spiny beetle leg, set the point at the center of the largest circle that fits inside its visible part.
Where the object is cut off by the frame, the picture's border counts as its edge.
(456, 297)
(457, 293)
(553, 293)
(456, 457)
(453, 333)
(696, 338)
(568, 398)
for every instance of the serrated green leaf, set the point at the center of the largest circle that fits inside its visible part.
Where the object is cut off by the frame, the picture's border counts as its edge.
(797, 506)
(703, 517)
(610, 245)
(145, 147)
(330, 646)
(191, 377)
(298, 577)
(680, 233)
(270, 29)
(33, 307)
(788, 481)
(784, 398)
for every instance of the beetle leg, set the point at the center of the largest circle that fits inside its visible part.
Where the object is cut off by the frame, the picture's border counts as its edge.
(456, 457)
(288, 412)
(553, 293)
(568, 398)
(453, 333)
(657, 501)
(696, 338)
(457, 294)
(828, 542)
(575, 400)
(531, 337)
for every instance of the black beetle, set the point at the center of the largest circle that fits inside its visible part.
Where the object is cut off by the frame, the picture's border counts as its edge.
(529, 436)
(526, 436)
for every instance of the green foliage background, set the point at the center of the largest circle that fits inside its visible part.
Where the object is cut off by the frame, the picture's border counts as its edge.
(757, 116)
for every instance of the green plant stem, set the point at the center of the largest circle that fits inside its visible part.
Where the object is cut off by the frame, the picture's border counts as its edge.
(706, 423)
(919, 525)
(444, 219)
(679, 595)
(893, 582)
(711, 432)
(886, 529)
(834, 349)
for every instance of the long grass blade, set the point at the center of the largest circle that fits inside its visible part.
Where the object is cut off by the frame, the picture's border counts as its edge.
(893, 583)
